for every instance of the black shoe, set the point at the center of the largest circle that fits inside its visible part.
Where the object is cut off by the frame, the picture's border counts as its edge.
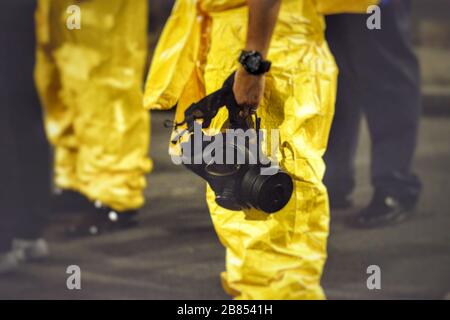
(68, 201)
(103, 220)
(383, 210)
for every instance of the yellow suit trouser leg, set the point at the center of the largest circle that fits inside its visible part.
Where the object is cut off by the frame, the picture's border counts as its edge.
(279, 256)
(90, 82)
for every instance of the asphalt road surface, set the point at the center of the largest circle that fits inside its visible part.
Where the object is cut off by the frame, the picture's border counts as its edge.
(175, 254)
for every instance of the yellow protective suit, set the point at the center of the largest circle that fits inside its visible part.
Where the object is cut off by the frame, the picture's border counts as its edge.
(279, 256)
(90, 83)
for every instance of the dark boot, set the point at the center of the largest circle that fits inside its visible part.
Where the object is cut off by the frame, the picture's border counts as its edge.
(100, 220)
(384, 209)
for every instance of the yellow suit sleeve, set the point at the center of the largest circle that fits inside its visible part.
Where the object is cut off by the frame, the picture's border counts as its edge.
(174, 58)
(344, 6)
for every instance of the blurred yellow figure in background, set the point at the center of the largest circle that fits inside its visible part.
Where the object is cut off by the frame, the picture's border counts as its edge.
(280, 256)
(90, 82)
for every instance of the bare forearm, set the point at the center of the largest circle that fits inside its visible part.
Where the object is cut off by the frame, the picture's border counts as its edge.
(263, 16)
(248, 88)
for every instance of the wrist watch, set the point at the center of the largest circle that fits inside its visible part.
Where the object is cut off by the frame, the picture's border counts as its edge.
(253, 62)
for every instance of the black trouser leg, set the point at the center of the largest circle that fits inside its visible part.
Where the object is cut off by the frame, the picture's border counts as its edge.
(392, 103)
(25, 161)
(341, 151)
(340, 155)
(386, 71)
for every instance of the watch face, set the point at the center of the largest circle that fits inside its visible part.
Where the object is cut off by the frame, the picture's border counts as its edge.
(253, 63)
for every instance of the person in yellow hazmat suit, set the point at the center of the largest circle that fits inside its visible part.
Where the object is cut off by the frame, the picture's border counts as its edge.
(91, 57)
(279, 256)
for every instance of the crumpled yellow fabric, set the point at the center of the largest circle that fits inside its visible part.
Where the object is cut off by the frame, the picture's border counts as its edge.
(90, 83)
(279, 256)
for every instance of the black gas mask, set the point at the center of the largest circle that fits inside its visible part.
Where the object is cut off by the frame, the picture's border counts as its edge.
(232, 162)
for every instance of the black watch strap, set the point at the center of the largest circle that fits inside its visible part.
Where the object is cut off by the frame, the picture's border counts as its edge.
(265, 66)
